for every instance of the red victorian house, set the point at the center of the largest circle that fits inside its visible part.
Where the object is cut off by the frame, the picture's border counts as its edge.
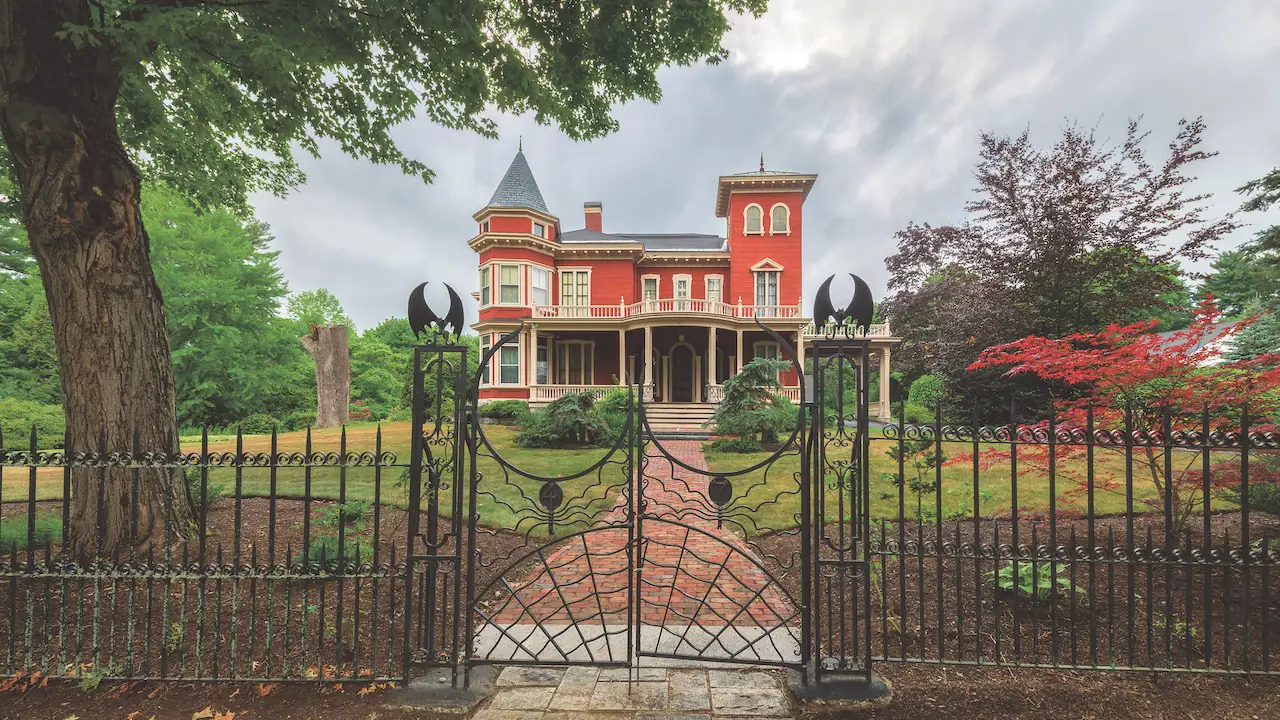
(673, 313)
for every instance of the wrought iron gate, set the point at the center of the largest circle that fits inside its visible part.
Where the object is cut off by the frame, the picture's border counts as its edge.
(650, 549)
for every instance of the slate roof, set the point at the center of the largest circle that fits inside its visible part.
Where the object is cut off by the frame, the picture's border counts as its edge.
(670, 242)
(518, 189)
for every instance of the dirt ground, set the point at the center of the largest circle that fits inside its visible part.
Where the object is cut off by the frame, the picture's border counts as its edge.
(928, 692)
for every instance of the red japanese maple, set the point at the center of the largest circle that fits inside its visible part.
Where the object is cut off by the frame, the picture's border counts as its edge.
(1131, 378)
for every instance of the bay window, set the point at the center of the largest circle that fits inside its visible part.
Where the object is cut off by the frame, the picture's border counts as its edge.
(539, 284)
(509, 363)
(486, 278)
(509, 284)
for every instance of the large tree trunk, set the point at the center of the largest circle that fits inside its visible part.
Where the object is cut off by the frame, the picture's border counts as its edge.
(80, 203)
(327, 345)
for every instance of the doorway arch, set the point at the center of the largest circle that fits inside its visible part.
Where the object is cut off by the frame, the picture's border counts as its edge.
(682, 372)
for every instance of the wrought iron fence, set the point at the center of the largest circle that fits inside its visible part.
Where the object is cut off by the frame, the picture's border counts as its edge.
(294, 568)
(1077, 545)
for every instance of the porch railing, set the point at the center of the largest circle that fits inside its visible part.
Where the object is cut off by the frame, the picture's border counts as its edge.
(667, 305)
(547, 393)
(874, 330)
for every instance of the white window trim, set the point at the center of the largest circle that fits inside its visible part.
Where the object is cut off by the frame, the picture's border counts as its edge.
(550, 279)
(775, 231)
(657, 280)
(675, 281)
(520, 285)
(514, 344)
(706, 286)
(745, 229)
(756, 284)
(486, 378)
(588, 358)
(533, 230)
(767, 265)
(486, 270)
(560, 289)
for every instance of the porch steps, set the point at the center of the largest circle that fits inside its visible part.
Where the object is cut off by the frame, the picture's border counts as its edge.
(689, 417)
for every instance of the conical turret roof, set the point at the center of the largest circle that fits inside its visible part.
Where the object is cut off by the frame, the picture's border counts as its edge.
(518, 189)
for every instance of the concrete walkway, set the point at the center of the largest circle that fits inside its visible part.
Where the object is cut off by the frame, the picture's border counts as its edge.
(582, 693)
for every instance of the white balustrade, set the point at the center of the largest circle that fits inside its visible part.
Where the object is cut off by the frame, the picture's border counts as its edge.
(667, 305)
(547, 393)
(873, 330)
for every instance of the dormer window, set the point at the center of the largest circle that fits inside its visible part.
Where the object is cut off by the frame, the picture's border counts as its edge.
(754, 224)
(539, 230)
(780, 220)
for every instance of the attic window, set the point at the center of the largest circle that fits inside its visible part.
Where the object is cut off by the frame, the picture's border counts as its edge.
(540, 230)
(484, 226)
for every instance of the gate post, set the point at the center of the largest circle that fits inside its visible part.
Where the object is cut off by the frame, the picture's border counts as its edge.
(432, 600)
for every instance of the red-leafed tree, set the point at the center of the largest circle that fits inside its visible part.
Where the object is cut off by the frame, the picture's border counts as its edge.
(1131, 378)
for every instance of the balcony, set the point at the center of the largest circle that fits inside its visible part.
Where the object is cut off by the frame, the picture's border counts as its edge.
(694, 306)
(874, 330)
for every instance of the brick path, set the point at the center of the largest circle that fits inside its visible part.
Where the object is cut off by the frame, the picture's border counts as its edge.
(701, 594)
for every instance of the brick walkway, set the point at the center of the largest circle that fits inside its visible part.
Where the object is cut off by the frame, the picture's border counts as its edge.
(701, 593)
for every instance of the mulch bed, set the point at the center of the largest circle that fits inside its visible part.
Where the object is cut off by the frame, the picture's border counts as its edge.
(919, 692)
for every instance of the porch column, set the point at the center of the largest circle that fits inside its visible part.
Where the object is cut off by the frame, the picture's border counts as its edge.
(647, 391)
(622, 358)
(884, 384)
(800, 348)
(533, 355)
(739, 351)
(711, 357)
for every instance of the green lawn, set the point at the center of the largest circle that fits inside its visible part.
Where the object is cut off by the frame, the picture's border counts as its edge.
(994, 488)
(504, 494)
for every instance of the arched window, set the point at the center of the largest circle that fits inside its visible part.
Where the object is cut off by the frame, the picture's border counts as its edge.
(780, 220)
(754, 220)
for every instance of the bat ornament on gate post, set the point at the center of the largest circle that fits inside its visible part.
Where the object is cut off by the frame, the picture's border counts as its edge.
(857, 314)
(421, 316)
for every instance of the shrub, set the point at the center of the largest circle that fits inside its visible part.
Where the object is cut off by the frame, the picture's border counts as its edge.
(400, 414)
(927, 391)
(504, 409)
(734, 445)
(1038, 583)
(1264, 496)
(915, 414)
(359, 412)
(213, 490)
(324, 548)
(298, 420)
(614, 401)
(17, 416)
(567, 420)
(749, 407)
(259, 424)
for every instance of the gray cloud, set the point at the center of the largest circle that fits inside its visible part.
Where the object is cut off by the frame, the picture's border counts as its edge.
(884, 101)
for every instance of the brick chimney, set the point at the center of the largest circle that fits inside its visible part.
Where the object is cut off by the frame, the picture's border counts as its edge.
(594, 216)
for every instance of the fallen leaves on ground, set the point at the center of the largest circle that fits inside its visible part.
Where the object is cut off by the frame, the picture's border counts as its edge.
(375, 687)
(264, 689)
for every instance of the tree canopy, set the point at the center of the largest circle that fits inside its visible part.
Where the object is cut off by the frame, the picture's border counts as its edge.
(216, 97)
(1061, 239)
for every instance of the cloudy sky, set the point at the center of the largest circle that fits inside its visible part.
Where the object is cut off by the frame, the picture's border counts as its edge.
(883, 100)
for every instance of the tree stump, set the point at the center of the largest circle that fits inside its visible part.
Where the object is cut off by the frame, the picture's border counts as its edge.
(327, 345)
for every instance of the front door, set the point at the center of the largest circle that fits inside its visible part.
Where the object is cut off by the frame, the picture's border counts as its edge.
(681, 374)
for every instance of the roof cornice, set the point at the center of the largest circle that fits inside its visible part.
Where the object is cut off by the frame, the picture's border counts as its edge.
(727, 184)
(503, 211)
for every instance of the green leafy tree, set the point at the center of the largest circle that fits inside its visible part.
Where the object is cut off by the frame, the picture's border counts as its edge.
(1260, 338)
(751, 406)
(1063, 238)
(212, 97)
(1242, 278)
(316, 307)
(223, 292)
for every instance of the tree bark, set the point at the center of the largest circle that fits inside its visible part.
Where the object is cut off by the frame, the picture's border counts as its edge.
(80, 204)
(327, 344)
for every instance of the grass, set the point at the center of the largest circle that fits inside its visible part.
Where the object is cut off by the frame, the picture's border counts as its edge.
(504, 500)
(994, 487)
(13, 531)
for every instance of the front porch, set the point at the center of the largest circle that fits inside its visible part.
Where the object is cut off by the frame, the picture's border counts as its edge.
(666, 363)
